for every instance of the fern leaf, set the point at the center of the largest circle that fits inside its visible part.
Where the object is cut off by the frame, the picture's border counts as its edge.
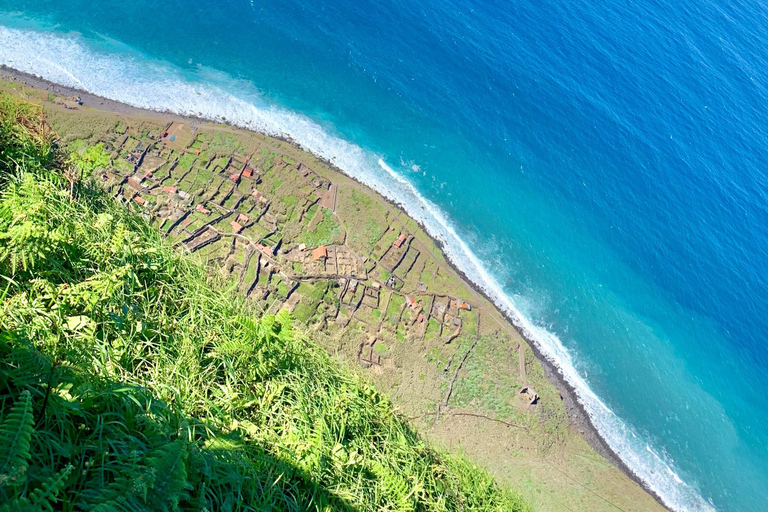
(15, 437)
(169, 465)
(51, 487)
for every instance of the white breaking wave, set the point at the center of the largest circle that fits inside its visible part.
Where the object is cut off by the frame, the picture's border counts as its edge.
(67, 60)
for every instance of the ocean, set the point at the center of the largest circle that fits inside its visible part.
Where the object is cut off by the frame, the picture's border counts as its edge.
(599, 168)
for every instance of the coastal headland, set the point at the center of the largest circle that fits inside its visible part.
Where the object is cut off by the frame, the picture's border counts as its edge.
(293, 232)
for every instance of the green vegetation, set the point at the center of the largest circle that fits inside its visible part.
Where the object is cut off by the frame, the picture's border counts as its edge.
(325, 232)
(266, 158)
(396, 304)
(365, 219)
(131, 380)
(186, 161)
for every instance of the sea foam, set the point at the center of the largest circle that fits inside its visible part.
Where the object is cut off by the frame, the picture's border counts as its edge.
(129, 77)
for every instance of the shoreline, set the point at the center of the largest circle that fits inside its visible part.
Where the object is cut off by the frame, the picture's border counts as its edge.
(579, 419)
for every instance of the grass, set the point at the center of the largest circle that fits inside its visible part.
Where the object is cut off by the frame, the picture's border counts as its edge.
(186, 160)
(303, 312)
(365, 219)
(396, 304)
(325, 232)
(266, 158)
(131, 379)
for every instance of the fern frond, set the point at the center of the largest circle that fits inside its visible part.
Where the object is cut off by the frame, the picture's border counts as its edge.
(51, 487)
(15, 437)
(169, 466)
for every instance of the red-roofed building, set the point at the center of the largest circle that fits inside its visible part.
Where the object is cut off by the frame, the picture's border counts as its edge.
(319, 253)
(247, 173)
(242, 218)
(202, 209)
(140, 200)
(235, 177)
(399, 242)
(420, 318)
(258, 196)
(266, 250)
(237, 227)
(169, 190)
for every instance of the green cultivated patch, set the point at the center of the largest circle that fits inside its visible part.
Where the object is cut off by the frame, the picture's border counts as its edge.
(325, 232)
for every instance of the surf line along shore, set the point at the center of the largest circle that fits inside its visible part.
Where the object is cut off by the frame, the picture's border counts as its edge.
(579, 419)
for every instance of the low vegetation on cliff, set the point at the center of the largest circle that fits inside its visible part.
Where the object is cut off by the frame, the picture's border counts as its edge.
(131, 380)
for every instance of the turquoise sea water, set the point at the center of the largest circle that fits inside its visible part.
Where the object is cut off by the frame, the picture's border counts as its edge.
(599, 168)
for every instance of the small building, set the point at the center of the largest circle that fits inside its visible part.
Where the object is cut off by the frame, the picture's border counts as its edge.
(302, 247)
(353, 285)
(269, 251)
(183, 195)
(236, 226)
(457, 321)
(169, 190)
(530, 395)
(140, 200)
(376, 285)
(202, 209)
(320, 253)
(465, 306)
(242, 218)
(420, 318)
(400, 240)
(235, 177)
(247, 172)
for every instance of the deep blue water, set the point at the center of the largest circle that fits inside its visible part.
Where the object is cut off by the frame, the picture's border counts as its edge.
(600, 168)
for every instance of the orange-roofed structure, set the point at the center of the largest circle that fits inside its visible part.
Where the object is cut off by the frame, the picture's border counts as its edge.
(237, 227)
(140, 200)
(320, 253)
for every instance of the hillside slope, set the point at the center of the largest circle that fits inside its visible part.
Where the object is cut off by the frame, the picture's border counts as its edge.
(130, 381)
